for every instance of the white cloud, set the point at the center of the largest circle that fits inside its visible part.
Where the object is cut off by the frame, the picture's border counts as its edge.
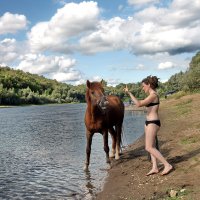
(140, 67)
(120, 7)
(139, 2)
(113, 82)
(174, 29)
(69, 76)
(10, 50)
(55, 67)
(166, 65)
(61, 2)
(109, 36)
(76, 28)
(163, 80)
(153, 30)
(96, 78)
(110, 81)
(80, 81)
(3, 65)
(11, 23)
(68, 23)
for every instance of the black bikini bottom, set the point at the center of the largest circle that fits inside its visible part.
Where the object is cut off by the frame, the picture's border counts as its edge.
(157, 122)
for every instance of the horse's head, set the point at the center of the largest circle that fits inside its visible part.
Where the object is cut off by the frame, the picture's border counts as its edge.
(95, 93)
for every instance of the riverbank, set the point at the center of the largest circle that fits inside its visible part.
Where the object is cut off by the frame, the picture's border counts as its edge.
(13, 106)
(6, 106)
(179, 140)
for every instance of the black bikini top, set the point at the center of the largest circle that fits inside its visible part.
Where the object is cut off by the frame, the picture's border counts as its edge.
(153, 104)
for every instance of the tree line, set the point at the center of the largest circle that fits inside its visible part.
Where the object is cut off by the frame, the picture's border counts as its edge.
(18, 87)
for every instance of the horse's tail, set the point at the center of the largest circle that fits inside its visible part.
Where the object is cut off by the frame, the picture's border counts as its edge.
(123, 142)
(123, 135)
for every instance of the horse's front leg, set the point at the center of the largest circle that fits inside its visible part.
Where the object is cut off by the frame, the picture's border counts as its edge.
(106, 147)
(89, 136)
(113, 136)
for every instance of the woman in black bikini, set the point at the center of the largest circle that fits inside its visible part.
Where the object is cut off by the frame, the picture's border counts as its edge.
(152, 123)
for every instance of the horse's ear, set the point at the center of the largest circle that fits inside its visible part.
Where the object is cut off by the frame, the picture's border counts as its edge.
(88, 83)
(101, 81)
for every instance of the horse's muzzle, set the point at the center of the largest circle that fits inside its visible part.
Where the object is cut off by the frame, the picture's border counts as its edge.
(103, 103)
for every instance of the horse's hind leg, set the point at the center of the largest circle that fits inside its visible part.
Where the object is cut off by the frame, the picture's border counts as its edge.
(118, 143)
(106, 147)
(89, 136)
(114, 137)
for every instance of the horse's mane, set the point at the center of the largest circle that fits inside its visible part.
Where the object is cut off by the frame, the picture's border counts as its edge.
(87, 96)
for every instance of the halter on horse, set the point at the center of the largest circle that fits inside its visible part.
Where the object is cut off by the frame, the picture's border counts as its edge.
(103, 114)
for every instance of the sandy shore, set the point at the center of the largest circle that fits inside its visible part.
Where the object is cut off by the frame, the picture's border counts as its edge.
(179, 140)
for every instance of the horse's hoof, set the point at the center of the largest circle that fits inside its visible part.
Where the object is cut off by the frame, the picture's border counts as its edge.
(108, 161)
(109, 167)
(112, 155)
(116, 157)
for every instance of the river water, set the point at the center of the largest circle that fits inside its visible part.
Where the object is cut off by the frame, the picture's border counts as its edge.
(42, 152)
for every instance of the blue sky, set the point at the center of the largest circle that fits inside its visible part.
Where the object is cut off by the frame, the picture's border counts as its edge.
(120, 41)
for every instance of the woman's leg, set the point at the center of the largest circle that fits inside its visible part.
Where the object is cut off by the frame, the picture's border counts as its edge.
(150, 134)
(154, 169)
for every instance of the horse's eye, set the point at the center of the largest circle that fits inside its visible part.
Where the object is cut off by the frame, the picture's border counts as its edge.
(92, 93)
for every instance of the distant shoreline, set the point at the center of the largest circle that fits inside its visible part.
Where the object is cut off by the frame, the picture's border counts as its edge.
(127, 108)
(22, 105)
(6, 106)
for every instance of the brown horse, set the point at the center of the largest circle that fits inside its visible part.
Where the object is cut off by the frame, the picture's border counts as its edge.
(103, 114)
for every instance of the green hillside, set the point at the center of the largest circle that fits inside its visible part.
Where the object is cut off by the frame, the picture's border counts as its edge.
(18, 87)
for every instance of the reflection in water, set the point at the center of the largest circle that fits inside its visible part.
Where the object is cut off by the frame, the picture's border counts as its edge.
(90, 187)
(43, 151)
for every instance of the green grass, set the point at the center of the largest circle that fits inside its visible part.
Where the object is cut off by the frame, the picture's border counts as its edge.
(189, 140)
(183, 103)
(180, 194)
(179, 94)
(183, 107)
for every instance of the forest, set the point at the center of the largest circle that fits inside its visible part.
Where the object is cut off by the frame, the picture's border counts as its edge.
(20, 88)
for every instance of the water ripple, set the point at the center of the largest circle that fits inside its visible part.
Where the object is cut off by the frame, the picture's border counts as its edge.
(43, 151)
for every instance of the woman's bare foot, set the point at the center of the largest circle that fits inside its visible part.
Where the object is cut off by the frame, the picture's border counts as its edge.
(167, 170)
(153, 171)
